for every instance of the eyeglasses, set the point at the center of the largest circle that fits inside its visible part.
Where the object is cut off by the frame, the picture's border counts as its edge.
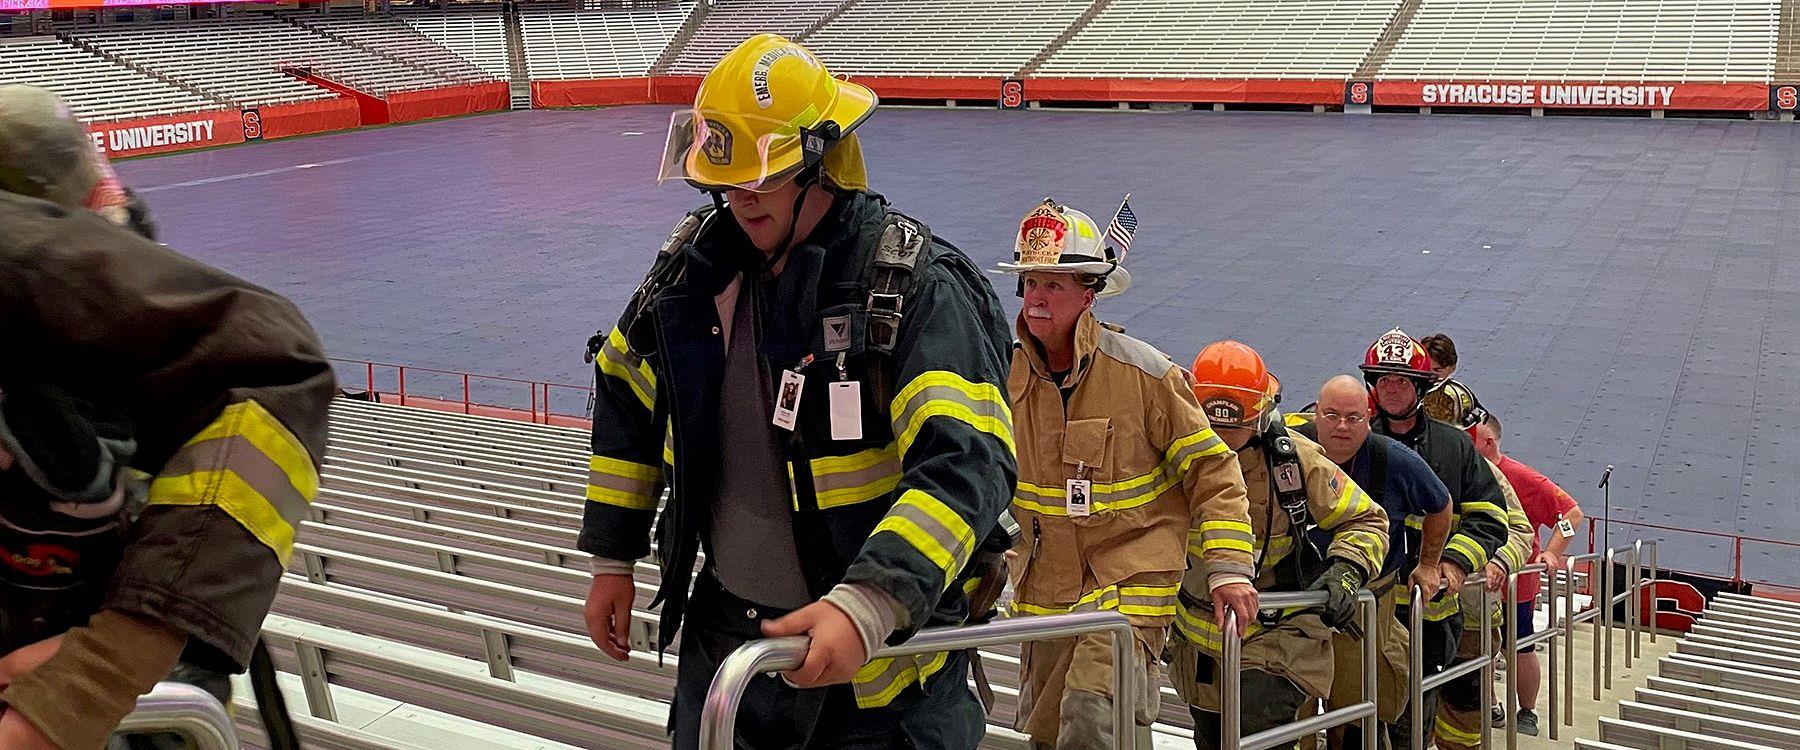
(1333, 418)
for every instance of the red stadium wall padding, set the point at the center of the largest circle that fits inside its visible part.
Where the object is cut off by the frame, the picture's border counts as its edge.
(591, 93)
(1575, 95)
(897, 87)
(285, 120)
(1180, 90)
(157, 135)
(674, 89)
(408, 106)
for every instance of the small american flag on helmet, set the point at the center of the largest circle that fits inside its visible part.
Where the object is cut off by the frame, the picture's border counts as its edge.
(1124, 225)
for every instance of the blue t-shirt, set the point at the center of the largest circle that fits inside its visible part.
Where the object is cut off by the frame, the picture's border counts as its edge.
(1412, 488)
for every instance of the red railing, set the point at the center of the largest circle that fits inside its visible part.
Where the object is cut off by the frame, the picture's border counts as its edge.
(450, 390)
(1737, 551)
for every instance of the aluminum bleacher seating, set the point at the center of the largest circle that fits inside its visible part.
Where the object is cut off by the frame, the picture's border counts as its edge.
(729, 22)
(96, 88)
(394, 38)
(1226, 38)
(941, 37)
(1585, 40)
(610, 40)
(477, 34)
(189, 53)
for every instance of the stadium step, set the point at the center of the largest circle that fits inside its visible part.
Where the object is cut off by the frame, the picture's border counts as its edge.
(1094, 9)
(1378, 54)
(1787, 44)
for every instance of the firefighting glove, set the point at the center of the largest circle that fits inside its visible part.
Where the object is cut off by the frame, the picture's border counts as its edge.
(1340, 582)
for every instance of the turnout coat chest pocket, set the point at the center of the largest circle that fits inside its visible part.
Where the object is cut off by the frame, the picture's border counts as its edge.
(1086, 447)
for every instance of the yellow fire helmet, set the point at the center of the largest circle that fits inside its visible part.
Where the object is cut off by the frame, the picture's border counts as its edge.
(766, 112)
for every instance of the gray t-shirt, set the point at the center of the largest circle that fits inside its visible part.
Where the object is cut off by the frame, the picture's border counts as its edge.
(754, 554)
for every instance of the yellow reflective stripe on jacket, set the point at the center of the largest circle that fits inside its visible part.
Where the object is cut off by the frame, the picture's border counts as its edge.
(1235, 535)
(933, 529)
(1415, 522)
(1199, 629)
(1435, 610)
(857, 478)
(1516, 549)
(249, 465)
(1469, 549)
(622, 483)
(1478, 506)
(880, 681)
(1368, 543)
(1144, 601)
(1126, 494)
(1182, 453)
(1350, 502)
(614, 359)
(940, 393)
(669, 443)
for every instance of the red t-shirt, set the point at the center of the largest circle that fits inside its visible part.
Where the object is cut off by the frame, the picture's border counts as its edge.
(1544, 503)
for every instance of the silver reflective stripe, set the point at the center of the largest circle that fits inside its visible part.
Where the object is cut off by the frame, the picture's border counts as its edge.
(241, 457)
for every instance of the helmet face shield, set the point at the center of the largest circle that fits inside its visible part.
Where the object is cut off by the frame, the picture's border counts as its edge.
(711, 151)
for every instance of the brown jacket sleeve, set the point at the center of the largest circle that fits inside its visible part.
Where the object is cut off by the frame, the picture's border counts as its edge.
(1211, 478)
(226, 384)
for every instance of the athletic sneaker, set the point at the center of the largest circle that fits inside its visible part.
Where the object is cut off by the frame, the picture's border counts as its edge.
(1528, 722)
(1499, 713)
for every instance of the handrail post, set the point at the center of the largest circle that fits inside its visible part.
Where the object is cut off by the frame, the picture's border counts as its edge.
(1635, 647)
(402, 385)
(1569, 622)
(1416, 652)
(1653, 608)
(1737, 563)
(465, 393)
(1231, 685)
(1509, 619)
(1125, 665)
(1561, 626)
(1603, 625)
(1371, 617)
(370, 374)
(1487, 662)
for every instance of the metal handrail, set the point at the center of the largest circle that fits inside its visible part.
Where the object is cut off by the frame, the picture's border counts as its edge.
(1513, 644)
(1231, 698)
(185, 710)
(718, 718)
(1611, 598)
(1416, 647)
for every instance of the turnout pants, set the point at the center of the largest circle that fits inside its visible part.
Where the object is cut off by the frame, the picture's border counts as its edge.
(1459, 718)
(943, 715)
(1392, 667)
(1440, 640)
(1065, 689)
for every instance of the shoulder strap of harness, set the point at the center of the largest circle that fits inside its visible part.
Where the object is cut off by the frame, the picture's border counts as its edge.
(891, 276)
(1288, 485)
(636, 322)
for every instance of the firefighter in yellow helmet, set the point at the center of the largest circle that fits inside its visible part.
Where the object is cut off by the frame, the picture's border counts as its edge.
(816, 378)
(1294, 489)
